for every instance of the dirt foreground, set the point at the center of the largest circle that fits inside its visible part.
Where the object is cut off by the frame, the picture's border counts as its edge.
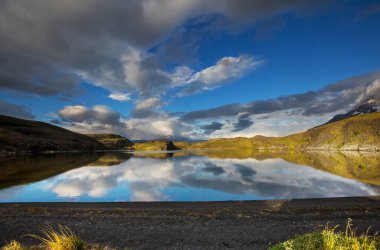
(188, 225)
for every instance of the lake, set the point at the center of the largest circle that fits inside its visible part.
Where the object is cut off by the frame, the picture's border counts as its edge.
(187, 176)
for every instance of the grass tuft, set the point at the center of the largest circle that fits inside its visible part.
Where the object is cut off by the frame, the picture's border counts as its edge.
(329, 239)
(14, 245)
(63, 239)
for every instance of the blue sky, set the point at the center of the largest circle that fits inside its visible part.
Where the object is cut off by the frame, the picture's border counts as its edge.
(174, 65)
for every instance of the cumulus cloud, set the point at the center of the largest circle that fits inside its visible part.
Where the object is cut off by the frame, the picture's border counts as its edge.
(123, 97)
(15, 110)
(274, 117)
(226, 69)
(332, 98)
(134, 50)
(148, 108)
(149, 103)
(49, 47)
(100, 119)
(96, 116)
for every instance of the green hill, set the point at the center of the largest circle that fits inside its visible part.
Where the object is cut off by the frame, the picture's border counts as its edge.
(360, 133)
(112, 141)
(18, 135)
(155, 145)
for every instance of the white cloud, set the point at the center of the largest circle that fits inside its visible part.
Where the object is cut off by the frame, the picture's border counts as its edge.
(100, 119)
(149, 103)
(123, 97)
(225, 69)
(97, 115)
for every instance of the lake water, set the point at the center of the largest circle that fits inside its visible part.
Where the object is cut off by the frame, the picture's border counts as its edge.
(187, 176)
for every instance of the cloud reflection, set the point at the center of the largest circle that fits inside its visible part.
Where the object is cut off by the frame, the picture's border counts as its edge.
(148, 179)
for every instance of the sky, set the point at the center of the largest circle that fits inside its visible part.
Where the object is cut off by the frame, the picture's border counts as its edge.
(187, 69)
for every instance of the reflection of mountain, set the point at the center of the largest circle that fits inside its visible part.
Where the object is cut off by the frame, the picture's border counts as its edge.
(110, 159)
(364, 167)
(361, 166)
(17, 170)
(199, 175)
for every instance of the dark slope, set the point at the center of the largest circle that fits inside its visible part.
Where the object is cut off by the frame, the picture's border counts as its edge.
(17, 135)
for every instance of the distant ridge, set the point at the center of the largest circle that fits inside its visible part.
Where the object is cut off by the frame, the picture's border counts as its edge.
(369, 106)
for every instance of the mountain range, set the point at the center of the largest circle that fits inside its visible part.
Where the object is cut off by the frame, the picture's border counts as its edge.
(358, 129)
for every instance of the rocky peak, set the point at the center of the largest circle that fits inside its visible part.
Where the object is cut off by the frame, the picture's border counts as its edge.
(369, 106)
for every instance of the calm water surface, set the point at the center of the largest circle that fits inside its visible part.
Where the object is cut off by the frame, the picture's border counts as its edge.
(187, 176)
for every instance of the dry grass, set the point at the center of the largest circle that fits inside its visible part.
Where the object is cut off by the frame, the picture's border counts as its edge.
(329, 239)
(14, 245)
(63, 239)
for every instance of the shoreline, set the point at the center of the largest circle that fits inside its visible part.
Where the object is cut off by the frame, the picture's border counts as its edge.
(189, 225)
(269, 149)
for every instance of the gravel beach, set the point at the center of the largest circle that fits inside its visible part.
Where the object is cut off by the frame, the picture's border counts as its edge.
(188, 225)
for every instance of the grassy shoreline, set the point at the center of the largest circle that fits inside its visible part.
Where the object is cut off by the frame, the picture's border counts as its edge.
(212, 225)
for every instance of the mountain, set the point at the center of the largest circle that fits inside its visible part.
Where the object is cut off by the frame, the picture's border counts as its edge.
(18, 135)
(369, 106)
(112, 141)
(358, 132)
(155, 145)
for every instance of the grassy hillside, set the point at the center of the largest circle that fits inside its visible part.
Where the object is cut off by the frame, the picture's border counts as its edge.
(227, 143)
(156, 145)
(355, 133)
(33, 136)
(112, 142)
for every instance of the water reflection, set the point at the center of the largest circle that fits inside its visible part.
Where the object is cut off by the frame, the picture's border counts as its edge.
(190, 176)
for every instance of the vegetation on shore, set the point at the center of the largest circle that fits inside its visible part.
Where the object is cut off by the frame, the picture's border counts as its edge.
(329, 239)
(62, 239)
